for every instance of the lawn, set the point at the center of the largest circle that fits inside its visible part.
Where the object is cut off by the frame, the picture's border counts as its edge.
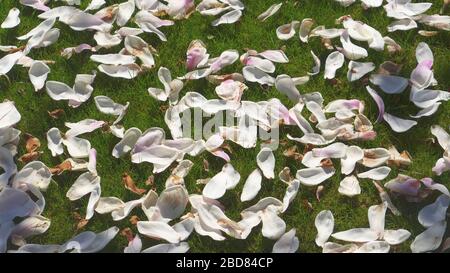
(145, 112)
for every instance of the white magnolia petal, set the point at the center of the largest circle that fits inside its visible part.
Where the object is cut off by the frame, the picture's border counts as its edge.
(424, 53)
(35, 173)
(402, 24)
(375, 157)
(113, 59)
(441, 135)
(276, 56)
(54, 141)
(34, 225)
(397, 124)
(350, 50)
(228, 18)
(430, 239)
(317, 64)
(330, 247)
(182, 247)
(120, 71)
(85, 183)
(335, 150)
(9, 115)
(389, 84)
(77, 147)
(357, 235)
(38, 74)
(12, 20)
(158, 230)
(269, 12)
(286, 86)
(266, 162)
(435, 212)
(253, 74)
(349, 186)
(376, 215)
(324, 223)
(95, 4)
(15, 203)
(252, 186)
(273, 226)
(314, 176)
(426, 112)
(89, 242)
(333, 62)
(172, 201)
(290, 194)
(108, 205)
(288, 243)
(305, 29)
(287, 31)
(396, 237)
(80, 21)
(353, 154)
(374, 247)
(357, 70)
(226, 179)
(372, 3)
(138, 47)
(378, 174)
(124, 13)
(127, 143)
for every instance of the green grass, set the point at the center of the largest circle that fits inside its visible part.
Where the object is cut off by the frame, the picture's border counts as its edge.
(144, 112)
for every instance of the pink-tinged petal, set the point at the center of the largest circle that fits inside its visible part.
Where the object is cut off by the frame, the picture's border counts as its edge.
(92, 165)
(429, 183)
(404, 185)
(441, 166)
(221, 153)
(379, 101)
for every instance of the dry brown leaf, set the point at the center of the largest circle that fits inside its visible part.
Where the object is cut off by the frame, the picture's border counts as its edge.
(28, 157)
(32, 143)
(128, 233)
(130, 185)
(56, 114)
(134, 220)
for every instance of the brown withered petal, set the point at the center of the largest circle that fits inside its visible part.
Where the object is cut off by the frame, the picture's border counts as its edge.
(128, 233)
(28, 157)
(130, 185)
(81, 222)
(319, 191)
(307, 205)
(326, 163)
(427, 33)
(134, 219)
(227, 147)
(206, 165)
(390, 68)
(59, 169)
(150, 180)
(32, 143)
(290, 152)
(56, 114)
